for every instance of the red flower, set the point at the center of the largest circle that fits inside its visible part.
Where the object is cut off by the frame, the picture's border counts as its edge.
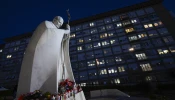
(70, 83)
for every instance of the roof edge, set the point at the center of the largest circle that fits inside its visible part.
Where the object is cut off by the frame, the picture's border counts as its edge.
(117, 11)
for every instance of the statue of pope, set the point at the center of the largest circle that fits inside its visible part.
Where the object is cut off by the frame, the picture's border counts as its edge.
(46, 59)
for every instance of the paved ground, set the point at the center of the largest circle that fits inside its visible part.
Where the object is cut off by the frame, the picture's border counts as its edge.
(118, 98)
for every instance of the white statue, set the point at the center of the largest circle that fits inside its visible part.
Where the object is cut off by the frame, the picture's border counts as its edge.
(45, 57)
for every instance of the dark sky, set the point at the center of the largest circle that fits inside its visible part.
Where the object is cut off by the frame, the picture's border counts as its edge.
(21, 16)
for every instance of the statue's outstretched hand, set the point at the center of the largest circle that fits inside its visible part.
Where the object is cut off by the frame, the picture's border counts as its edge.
(67, 26)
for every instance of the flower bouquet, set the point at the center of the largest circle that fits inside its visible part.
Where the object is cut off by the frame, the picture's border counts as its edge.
(66, 89)
(65, 86)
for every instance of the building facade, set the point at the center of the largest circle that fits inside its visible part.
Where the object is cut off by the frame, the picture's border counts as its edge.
(12, 55)
(123, 46)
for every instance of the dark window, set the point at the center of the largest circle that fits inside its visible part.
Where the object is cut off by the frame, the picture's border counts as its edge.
(89, 55)
(110, 61)
(98, 53)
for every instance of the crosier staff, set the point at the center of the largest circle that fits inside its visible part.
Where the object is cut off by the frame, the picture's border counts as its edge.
(68, 14)
(67, 36)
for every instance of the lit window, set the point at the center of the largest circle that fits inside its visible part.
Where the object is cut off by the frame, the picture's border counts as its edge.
(121, 69)
(112, 70)
(133, 21)
(80, 48)
(141, 56)
(118, 59)
(0, 50)
(72, 35)
(118, 25)
(104, 35)
(91, 24)
(117, 81)
(162, 51)
(159, 23)
(103, 71)
(156, 24)
(105, 43)
(100, 62)
(91, 63)
(146, 67)
(172, 49)
(80, 40)
(142, 35)
(131, 49)
(129, 30)
(83, 84)
(112, 41)
(97, 44)
(111, 33)
(9, 56)
(148, 25)
(132, 38)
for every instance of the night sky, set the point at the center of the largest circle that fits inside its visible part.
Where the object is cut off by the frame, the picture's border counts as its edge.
(21, 16)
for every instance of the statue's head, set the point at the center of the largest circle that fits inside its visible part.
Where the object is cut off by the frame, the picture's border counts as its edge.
(58, 21)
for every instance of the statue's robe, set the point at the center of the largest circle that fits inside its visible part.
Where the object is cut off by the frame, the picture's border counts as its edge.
(42, 66)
